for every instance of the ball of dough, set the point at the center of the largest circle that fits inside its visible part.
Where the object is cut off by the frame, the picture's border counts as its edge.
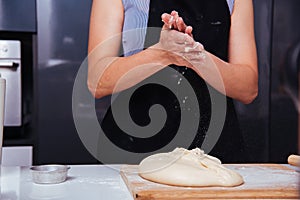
(183, 167)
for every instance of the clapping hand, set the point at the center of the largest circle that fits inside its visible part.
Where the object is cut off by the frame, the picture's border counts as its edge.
(174, 21)
(177, 38)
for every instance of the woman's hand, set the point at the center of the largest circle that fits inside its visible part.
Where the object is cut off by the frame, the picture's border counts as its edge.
(242, 59)
(176, 38)
(174, 21)
(180, 48)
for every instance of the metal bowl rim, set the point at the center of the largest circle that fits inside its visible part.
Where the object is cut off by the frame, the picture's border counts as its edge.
(49, 168)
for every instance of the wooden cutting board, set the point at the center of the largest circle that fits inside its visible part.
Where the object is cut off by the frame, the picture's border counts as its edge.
(262, 181)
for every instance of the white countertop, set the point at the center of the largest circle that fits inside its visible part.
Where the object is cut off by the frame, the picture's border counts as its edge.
(85, 182)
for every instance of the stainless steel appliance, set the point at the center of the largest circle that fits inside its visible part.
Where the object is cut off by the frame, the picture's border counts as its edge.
(17, 66)
(10, 69)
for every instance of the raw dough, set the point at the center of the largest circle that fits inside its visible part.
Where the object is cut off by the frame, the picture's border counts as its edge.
(183, 167)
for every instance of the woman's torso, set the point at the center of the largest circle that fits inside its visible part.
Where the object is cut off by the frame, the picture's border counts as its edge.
(211, 23)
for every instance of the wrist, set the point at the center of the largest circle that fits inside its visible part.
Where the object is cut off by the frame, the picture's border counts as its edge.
(160, 55)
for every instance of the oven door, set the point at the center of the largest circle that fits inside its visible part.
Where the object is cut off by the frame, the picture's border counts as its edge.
(10, 69)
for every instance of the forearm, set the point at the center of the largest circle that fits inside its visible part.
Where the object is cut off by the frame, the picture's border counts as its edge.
(238, 81)
(113, 74)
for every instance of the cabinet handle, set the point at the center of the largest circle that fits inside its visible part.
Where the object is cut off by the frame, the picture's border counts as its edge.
(9, 64)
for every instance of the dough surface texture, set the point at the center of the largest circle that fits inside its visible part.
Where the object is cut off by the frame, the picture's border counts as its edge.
(183, 167)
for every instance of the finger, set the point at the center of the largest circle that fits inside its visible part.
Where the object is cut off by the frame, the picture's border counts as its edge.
(174, 13)
(180, 24)
(189, 30)
(193, 49)
(184, 39)
(189, 40)
(168, 20)
(175, 17)
(198, 46)
(197, 57)
(165, 17)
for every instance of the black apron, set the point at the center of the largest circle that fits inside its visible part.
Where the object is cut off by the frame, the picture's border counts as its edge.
(210, 20)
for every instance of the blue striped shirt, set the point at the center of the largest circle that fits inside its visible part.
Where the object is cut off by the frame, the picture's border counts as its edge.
(135, 24)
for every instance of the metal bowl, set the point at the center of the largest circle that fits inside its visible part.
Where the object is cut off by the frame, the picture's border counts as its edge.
(49, 174)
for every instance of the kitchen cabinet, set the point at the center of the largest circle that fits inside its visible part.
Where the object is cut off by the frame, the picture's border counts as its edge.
(17, 156)
(18, 16)
(18, 25)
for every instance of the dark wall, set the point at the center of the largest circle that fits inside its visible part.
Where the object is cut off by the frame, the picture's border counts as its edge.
(254, 118)
(284, 88)
(270, 123)
(62, 46)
